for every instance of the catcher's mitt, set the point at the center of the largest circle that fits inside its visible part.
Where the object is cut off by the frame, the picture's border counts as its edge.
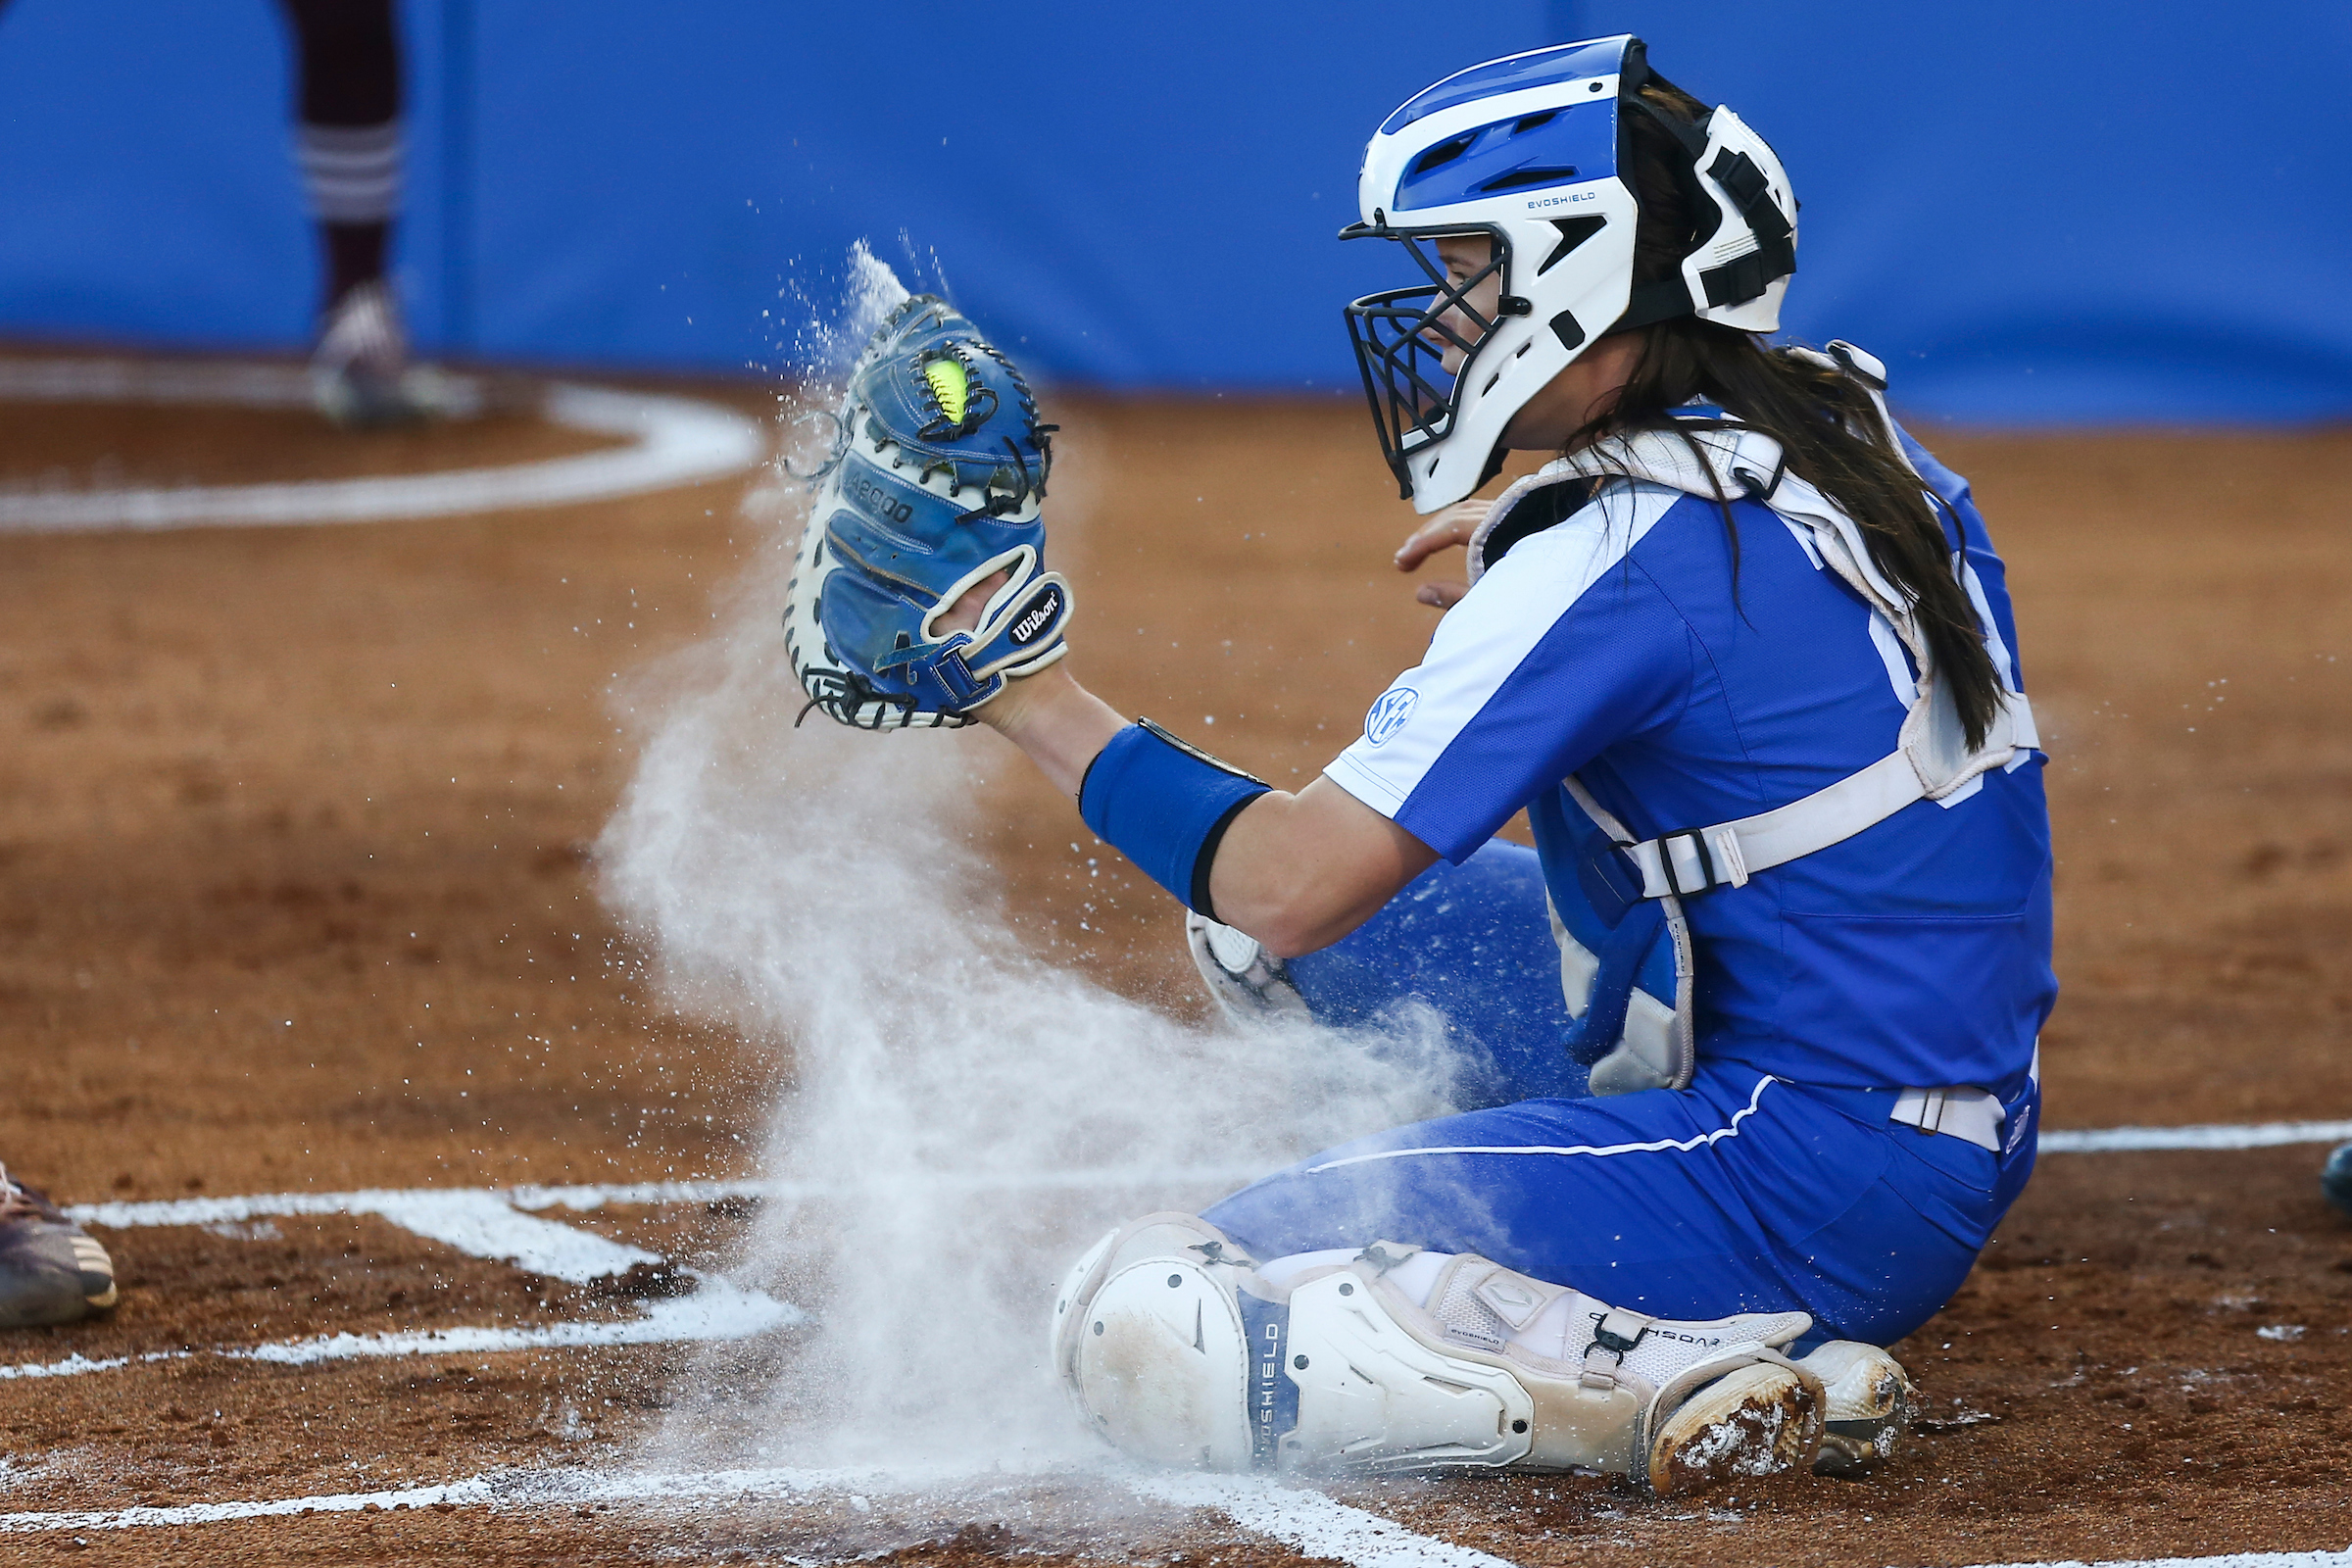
(934, 484)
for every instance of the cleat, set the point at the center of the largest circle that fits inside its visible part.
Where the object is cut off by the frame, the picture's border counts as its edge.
(49, 1270)
(361, 377)
(1869, 1401)
(1755, 1420)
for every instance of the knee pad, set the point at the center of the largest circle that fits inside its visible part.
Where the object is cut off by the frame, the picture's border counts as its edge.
(1177, 1349)
(1158, 1331)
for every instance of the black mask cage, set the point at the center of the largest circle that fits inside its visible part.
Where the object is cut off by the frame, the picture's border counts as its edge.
(1400, 337)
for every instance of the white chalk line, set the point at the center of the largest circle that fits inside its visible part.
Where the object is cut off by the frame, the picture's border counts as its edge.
(492, 1223)
(669, 441)
(1315, 1525)
(1318, 1526)
(587, 1197)
(2139, 1140)
(478, 1221)
(716, 1311)
(1310, 1522)
(525, 1489)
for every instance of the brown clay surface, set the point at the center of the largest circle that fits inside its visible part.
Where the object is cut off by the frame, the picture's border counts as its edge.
(294, 894)
(67, 446)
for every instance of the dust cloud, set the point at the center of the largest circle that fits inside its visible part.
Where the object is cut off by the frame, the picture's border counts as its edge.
(976, 1115)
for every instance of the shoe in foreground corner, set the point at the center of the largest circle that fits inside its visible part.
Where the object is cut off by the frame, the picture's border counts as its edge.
(361, 375)
(49, 1270)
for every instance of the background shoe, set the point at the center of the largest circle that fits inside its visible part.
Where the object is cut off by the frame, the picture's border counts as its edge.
(1869, 1401)
(361, 377)
(2335, 1180)
(49, 1270)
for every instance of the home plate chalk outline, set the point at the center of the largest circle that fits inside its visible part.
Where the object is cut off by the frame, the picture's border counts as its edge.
(1310, 1522)
(506, 1224)
(669, 441)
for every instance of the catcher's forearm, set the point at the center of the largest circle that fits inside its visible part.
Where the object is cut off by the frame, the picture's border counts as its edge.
(1300, 871)
(1060, 723)
(1295, 871)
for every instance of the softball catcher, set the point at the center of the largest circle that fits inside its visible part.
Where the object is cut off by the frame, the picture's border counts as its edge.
(1753, 1027)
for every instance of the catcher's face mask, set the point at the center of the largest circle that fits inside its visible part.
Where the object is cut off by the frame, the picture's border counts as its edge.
(1525, 152)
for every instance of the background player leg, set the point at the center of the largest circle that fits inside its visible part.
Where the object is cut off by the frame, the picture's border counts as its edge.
(347, 138)
(2335, 1179)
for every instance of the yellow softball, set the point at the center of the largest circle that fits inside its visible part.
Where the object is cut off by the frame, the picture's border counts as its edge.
(949, 385)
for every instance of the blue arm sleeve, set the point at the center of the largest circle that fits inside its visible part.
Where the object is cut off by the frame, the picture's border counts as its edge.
(1165, 806)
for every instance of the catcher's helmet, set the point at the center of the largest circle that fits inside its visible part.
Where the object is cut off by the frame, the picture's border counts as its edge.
(1527, 150)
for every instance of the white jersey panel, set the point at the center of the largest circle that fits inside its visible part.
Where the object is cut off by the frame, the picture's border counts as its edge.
(1487, 636)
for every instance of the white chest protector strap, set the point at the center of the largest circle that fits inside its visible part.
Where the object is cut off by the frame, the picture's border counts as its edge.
(1931, 758)
(1725, 854)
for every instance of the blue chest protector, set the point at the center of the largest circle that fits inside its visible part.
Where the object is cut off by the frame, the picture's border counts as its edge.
(1624, 967)
(1627, 963)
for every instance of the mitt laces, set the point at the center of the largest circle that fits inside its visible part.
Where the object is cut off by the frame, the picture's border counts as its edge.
(851, 698)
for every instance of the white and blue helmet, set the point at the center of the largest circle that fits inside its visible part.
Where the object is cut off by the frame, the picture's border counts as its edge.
(1527, 150)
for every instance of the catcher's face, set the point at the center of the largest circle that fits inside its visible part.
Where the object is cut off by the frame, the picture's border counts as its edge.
(1464, 257)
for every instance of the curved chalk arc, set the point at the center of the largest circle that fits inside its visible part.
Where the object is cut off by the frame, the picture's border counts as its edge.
(669, 441)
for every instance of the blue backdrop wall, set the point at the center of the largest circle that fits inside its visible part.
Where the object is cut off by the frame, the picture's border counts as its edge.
(2095, 211)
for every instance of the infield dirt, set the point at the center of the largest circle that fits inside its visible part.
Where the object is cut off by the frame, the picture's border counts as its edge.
(296, 894)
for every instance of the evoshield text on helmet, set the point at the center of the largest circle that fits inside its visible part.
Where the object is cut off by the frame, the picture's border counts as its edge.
(1526, 151)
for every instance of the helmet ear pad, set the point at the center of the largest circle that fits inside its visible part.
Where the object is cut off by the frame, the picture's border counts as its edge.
(1747, 188)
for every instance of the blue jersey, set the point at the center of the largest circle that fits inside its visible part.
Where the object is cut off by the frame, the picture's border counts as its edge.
(1617, 646)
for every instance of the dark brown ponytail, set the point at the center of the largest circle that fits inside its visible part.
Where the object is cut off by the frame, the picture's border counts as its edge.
(1823, 418)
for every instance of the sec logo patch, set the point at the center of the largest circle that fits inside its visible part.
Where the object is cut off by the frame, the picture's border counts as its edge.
(1388, 715)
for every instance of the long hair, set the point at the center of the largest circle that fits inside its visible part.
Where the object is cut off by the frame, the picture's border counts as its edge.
(1823, 418)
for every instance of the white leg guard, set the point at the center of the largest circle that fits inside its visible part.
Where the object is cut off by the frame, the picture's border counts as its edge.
(1151, 1338)
(1179, 1350)
(1869, 1404)
(1498, 1370)
(1247, 981)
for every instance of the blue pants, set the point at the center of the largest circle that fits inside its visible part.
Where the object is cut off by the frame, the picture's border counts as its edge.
(1743, 1192)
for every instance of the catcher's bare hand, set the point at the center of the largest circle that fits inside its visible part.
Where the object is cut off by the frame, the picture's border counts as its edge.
(964, 613)
(1448, 529)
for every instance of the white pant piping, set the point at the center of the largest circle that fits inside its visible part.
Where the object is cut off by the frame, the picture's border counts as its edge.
(1661, 1146)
